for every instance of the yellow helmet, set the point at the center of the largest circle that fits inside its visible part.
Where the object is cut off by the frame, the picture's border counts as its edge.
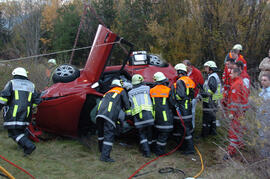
(137, 79)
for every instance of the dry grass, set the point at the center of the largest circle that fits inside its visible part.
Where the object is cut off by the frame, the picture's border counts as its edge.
(68, 158)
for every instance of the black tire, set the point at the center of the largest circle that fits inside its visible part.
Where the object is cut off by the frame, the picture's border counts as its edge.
(65, 73)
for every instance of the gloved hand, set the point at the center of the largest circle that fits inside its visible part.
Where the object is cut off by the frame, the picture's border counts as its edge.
(128, 86)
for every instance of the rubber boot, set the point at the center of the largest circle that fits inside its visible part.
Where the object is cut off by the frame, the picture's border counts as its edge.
(100, 144)
(28, 146)
(153, 147)
(205, 131)
(189, 147)
(105, 154)
(146, 150)
(159, 150)
(183, 146)
(213, 128)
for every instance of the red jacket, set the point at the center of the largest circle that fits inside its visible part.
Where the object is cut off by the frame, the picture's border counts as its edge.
(226, 81)
(246, 79)
(238, 98)
(197, 77)
(241, 58)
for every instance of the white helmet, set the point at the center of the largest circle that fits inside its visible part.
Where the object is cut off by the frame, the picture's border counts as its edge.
(137, 79)
(159, 76)
(238, 47)
(52, 61)
(210, 64)
(181, 66)
(19, 71)
(116, 82)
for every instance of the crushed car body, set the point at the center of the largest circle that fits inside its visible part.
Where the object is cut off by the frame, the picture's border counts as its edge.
(68, 107)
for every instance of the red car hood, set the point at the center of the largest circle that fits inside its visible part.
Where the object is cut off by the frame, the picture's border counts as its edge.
(94, 66)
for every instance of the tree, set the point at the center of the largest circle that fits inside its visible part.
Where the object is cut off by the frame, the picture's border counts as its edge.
(4, 36)
(131, 22)
(24, 19)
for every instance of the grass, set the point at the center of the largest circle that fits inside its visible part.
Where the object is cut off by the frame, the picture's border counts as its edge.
(68, 158)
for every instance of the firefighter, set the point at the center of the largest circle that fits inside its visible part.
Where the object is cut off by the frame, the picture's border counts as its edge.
(141, 110)
(19, 96)
(211, 94)
(108, 111)
(237, 105)
(182, 93)
(162, 112)
(49, 71)
(197, 77)
(238, 48)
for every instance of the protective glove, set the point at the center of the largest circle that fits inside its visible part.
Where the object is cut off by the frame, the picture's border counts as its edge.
(127, 85)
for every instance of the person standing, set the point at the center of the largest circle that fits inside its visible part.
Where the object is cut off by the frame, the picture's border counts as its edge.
(197, 77)
(244, 75)
(265, 82)
(211, 94)
(237, 105)
(263, 117)
(182, 93)
(141, 110)
(108, 111)
(162, 112)
(238, 49)
(265, 66)
(19, 95)
(50, 70)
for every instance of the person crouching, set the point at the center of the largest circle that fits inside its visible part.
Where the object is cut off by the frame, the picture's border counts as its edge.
(108, 111)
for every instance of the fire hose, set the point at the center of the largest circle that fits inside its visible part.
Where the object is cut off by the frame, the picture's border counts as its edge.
(10, 176)
(135, 174)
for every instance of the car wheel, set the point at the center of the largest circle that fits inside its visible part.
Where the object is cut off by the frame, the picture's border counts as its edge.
(65, 73)
(155, 60)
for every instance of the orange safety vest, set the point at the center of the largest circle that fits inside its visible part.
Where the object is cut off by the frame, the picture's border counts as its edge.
(160, 91)
(188, 82)
(117, 90)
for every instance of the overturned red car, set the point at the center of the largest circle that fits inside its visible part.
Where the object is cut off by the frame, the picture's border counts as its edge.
(69, 106)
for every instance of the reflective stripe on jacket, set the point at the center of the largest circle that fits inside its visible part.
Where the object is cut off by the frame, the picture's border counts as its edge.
(238, 97)
(111, 104)
(141, 106)
(162, 112)
(19, 94)
(140, 99)
(215, 95)
(182, 95)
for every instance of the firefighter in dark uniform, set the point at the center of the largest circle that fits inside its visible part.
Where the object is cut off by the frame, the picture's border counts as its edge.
(18, 97)
(141, 110)
(182, 93)
(108, 111)
(162, 112)
(211, 94)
